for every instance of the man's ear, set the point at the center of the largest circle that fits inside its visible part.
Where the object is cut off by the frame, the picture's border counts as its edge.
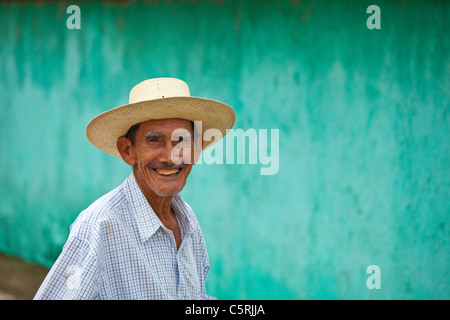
(126, 150)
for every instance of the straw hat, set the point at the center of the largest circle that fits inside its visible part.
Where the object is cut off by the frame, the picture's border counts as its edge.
(155, 99)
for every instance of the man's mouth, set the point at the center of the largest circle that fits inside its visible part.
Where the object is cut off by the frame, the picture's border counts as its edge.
(167, 171)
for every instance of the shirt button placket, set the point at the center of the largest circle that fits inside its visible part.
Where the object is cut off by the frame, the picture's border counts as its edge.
(181, 284)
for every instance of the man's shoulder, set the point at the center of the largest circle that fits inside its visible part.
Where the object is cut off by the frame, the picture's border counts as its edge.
(104, 212)
(112, 200)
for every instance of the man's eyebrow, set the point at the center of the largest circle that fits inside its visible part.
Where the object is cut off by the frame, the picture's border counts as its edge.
(153, 134)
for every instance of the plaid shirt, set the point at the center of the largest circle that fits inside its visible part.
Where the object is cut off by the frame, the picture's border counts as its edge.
(119, 249)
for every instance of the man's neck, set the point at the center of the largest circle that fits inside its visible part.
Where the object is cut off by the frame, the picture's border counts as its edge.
(160, 205)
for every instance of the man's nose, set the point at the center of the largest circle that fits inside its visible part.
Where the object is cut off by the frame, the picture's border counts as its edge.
(166, 153)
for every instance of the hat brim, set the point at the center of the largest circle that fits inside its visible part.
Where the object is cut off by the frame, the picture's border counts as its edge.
(104, 130)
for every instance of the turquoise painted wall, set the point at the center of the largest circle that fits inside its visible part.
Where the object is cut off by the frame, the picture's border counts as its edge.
(364, 135)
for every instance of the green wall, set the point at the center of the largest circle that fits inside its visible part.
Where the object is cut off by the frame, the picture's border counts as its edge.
(364, 135)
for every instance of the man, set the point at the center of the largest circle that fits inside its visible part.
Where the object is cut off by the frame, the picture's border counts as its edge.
(141, 240)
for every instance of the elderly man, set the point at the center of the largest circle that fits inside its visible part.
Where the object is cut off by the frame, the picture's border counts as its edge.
(141, 240)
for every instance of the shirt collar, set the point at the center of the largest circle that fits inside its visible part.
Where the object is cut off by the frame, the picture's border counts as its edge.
(147, 220)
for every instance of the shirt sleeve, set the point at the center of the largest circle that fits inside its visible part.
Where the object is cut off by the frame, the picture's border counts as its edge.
(74, 274)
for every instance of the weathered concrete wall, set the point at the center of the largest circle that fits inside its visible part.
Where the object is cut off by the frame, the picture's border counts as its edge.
(364, 135)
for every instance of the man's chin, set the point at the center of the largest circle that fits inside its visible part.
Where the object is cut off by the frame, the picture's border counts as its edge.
(163, 185)
(164, 193)
(166, 186)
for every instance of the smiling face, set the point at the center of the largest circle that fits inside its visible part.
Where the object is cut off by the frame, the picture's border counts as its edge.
(160, 165)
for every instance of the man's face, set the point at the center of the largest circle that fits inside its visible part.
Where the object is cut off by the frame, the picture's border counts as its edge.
(154, 153)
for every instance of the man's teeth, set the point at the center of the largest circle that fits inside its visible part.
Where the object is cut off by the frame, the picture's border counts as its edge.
(167, 172)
